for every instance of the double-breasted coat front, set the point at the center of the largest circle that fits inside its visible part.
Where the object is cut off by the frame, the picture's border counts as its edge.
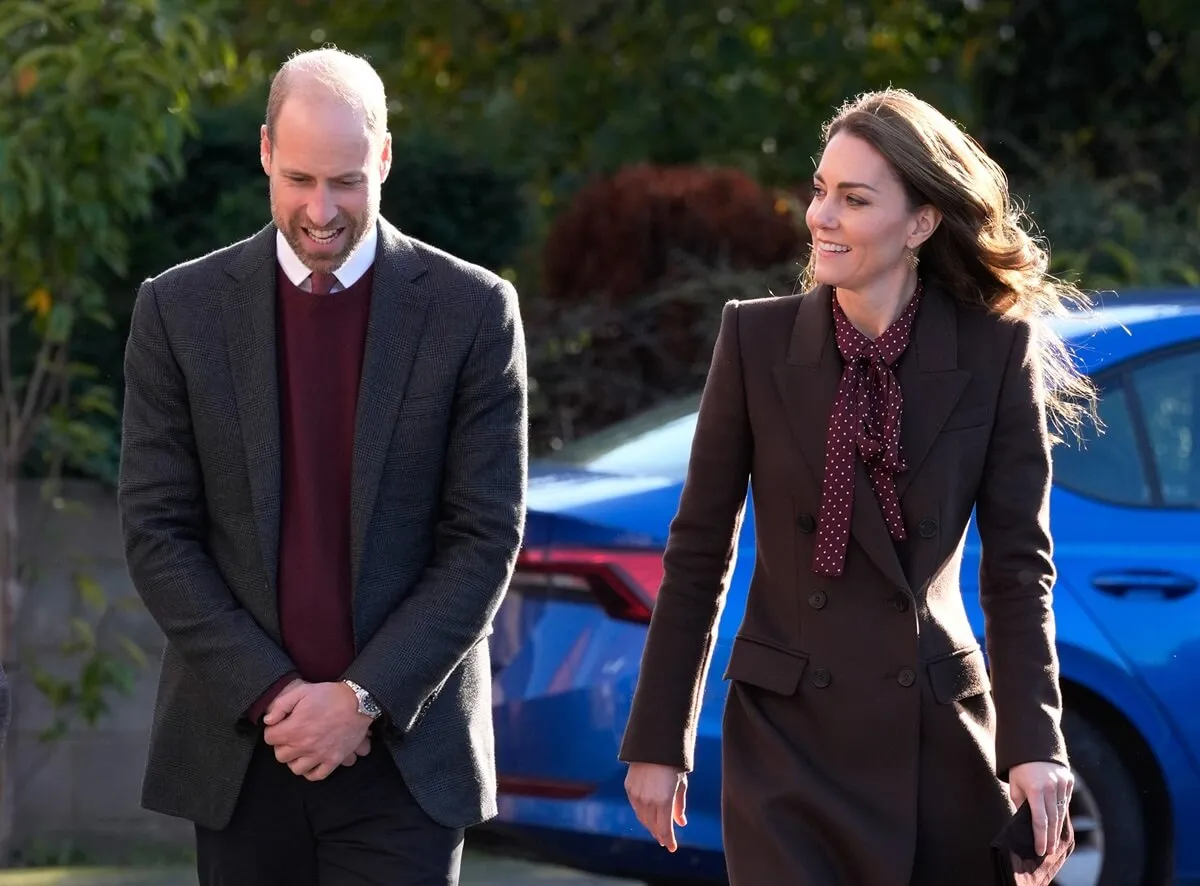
(865, 739)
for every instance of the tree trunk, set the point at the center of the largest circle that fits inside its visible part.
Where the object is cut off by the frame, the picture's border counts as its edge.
(10, 604)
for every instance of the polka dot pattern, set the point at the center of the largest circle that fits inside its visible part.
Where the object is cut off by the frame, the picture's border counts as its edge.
(864, 423)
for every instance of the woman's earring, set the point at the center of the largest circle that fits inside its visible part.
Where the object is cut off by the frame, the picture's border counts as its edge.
(912, 258)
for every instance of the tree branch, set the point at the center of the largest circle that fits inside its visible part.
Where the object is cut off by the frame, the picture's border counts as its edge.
(54, 385)
(34, 394)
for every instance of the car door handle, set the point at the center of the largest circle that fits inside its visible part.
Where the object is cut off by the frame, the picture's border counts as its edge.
(1171, 585)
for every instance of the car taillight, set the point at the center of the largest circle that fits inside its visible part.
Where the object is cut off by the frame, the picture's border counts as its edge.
(623, 582)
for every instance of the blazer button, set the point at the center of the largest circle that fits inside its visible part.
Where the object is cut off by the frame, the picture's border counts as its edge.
(906, 677)
(806, 523)
(817, 600)
(900, 601)
(821, 678)
(927, 528)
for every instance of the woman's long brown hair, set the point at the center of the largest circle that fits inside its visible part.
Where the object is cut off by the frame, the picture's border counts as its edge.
(980, 253)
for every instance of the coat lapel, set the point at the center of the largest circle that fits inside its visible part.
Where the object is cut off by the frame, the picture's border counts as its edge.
(931, 381)
(397, 320)
(808, 383)
(249, 320)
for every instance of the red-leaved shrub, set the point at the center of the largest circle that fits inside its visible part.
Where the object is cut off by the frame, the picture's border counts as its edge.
(647, 226)
(636, 270)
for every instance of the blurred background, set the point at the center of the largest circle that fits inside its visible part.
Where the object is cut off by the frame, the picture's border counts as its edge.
(629, 164)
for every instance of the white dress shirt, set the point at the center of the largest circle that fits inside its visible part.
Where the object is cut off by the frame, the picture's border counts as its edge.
(351, 271)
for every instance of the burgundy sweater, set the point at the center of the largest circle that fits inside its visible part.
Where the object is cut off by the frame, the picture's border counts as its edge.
(320, 342)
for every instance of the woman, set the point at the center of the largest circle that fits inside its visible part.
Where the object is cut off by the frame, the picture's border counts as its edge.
(863, 742)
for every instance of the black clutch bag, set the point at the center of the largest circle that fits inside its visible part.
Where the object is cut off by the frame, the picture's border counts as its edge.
(1016, 862)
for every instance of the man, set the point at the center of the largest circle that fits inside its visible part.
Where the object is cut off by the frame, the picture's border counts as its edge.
(322, 493)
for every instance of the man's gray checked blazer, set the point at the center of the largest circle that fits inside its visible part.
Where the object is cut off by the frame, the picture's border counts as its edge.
(438, 501)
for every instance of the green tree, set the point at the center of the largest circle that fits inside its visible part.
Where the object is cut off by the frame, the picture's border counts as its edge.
(1094, 110)
(565, 91)
(94, 106)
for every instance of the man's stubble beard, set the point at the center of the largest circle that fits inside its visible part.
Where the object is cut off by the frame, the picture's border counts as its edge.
(356, 229)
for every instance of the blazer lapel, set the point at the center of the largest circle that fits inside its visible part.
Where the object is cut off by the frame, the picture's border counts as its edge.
(932, 382)
(808, 383)
(249, 320)
(394, 328)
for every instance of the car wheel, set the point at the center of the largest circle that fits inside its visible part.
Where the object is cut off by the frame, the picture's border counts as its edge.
(1106, 811)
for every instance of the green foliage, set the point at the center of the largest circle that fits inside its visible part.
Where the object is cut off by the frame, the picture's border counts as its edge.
(1109, 87)
(1115, 233)
(94, 107)
(219, 196)
(568, 90)
(455, 201)
(1102, 140)
(95, 102)
(603, 84)
(100, 666)
(93, 111)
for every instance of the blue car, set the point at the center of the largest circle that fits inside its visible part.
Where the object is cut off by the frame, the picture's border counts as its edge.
(1126, 522)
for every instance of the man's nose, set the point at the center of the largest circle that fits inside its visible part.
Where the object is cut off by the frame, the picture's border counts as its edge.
(321, 208)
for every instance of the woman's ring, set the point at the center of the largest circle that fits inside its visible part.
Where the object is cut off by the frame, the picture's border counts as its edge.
(1061, 804)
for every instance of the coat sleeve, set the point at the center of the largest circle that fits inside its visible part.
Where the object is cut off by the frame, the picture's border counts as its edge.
(698, 562)
(161, 497)
(1017, 573)
(479, 529)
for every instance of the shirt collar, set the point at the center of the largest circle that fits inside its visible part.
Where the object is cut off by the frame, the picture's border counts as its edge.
(351, 271)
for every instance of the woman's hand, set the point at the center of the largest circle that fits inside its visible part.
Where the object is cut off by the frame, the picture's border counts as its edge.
(657, 794)
(1047, 787)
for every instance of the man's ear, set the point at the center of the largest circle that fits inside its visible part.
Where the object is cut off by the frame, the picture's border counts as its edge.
(385, 157)
(264, 149)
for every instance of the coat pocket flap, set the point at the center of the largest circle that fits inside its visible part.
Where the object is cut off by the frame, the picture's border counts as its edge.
(971, 417)
(959, 675)
(770, 668)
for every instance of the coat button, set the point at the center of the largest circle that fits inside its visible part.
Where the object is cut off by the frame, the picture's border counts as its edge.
(906, 677)
(900, 601)
(806, 523)
(821, 678)
(927, 528)
(817, 600)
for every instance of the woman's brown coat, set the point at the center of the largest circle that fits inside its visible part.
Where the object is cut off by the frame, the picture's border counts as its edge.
(863, 742)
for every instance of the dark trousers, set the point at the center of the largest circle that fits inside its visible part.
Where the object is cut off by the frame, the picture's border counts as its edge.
(359, 827)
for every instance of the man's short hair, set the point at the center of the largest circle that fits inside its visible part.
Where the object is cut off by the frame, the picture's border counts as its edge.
(349, 77)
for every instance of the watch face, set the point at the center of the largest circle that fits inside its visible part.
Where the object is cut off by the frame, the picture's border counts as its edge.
(367, 705)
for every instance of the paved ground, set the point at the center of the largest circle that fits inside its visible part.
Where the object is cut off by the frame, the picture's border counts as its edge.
(479, 869)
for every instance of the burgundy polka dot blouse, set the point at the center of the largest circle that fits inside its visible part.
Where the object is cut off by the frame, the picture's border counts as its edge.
(865, 421)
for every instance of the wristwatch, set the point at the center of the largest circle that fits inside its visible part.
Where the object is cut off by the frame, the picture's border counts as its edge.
(366, 704)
